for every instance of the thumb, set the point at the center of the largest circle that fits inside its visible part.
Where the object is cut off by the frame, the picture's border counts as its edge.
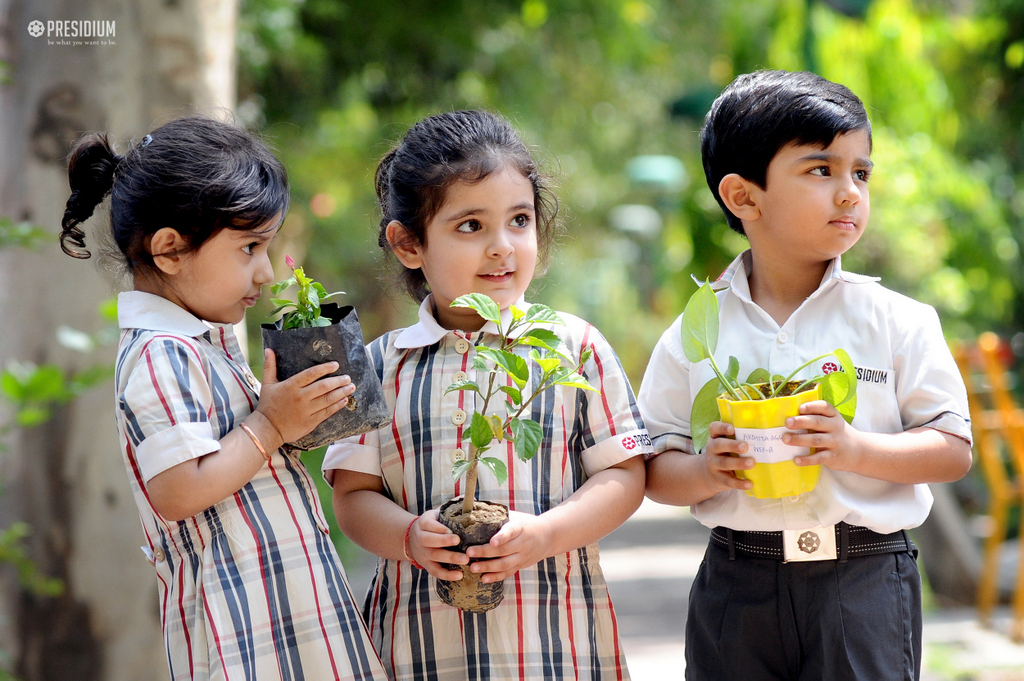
(269, 367)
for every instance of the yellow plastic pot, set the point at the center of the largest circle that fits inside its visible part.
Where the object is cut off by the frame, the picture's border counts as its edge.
(761, 423)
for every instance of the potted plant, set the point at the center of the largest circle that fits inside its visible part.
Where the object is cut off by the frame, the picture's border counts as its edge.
(499, 420)
(759, 406)
(312, 332)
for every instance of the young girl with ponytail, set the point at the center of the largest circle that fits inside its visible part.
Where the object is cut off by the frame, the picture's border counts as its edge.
(250, 586)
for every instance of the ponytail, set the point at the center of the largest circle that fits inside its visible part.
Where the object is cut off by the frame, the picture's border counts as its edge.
(382, 182)
(91, 171)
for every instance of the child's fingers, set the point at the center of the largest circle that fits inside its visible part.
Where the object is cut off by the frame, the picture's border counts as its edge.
(269, 367)
(313, 374)
(721, 429)
(497, 569)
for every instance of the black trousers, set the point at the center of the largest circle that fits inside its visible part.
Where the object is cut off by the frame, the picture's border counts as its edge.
(753, 619)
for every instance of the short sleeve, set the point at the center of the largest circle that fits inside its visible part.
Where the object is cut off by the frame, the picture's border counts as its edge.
(612, 428)
(359, 453)
(929, 389)
(166, 403)
(665, 400)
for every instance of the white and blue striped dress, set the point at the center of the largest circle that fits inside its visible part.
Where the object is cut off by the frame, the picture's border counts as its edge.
(556, 620)
(251, 588)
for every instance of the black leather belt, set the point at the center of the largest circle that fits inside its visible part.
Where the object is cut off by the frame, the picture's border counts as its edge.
(852, 541)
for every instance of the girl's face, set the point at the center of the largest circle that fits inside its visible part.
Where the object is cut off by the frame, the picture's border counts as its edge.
(482, 240)
(224, 277)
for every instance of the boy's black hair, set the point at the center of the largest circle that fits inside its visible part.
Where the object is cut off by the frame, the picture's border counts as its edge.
(413, 179)
(761, 112)
(196, 175)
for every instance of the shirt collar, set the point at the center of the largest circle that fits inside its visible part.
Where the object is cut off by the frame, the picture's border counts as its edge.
(141, 310)
(427, 331)
(735, 276)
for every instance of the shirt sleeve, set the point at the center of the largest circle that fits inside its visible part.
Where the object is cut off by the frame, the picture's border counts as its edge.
(166, 402)
(359, 453)
(612, 428)
(665, 400)
(929, 389)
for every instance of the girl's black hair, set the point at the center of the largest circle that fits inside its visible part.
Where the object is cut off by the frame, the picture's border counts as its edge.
(761, 112)
(413, 178)
(194, 174)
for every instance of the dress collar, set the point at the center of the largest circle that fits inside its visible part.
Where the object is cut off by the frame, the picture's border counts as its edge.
(141, 310)
(735, 276)
(427, 331)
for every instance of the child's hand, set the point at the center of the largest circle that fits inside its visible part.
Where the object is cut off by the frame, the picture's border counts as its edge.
(834, 440)
(723, 458)
(298, 405)
(427, 541)
(521, 542)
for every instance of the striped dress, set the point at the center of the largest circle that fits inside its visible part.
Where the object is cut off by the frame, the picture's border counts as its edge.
(556, 620)
(251, 588)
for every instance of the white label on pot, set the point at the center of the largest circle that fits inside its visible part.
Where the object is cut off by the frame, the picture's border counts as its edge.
(765, 445)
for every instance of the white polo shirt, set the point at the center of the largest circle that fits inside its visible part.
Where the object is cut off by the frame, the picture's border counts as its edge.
(907, 378)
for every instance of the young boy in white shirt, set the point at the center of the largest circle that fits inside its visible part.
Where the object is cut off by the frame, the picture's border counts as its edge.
(787, 156)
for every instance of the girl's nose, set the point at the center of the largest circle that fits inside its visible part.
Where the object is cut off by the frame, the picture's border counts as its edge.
(264, 270)
(500, 245)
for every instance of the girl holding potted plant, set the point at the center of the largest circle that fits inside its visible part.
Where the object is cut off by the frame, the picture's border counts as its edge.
(249, 582)
(465, 211)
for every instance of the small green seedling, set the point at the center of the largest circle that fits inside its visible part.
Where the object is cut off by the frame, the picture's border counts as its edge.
(557, 367)
(307, 305)
(700, 340)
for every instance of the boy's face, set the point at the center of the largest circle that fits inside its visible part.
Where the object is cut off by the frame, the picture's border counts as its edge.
(815, 204)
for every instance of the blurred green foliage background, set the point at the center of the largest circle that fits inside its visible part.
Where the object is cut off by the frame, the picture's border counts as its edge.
(611, 93)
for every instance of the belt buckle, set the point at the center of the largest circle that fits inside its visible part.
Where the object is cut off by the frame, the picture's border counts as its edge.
(814, 543)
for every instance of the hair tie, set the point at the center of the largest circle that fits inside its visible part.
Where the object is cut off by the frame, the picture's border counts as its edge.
(146, 140)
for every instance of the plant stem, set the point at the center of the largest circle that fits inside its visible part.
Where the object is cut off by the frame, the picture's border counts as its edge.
(800, 368)
(470, 498)
(721, 377)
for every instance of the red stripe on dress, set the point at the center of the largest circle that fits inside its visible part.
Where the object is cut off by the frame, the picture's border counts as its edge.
(615, 635)
(216, 638)
(309, 565)
(568, 612)
(156, 386)
(394, 611)
(181, 614)
(263, 571)
(396, 435)
(519, 629)
(600, 373)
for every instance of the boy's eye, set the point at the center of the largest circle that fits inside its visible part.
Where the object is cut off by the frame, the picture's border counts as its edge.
(822, 171)
(862, 175)
(468, 226)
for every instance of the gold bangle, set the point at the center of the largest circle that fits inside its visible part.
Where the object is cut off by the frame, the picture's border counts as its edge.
(255, 440)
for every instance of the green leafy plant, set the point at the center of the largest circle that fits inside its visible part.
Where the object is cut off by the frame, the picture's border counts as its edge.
(311, 294)
(557, 367)
(700, 340)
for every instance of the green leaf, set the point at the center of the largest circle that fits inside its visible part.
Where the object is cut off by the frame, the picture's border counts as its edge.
(480, 433)
(703, 412)
(459, 468)
(483, 305)
(732, 371)
(321, 321)
(497, 467)
(542, 314)
(282, 285)
(480, 364)
(462, 385)
(496, 427)
(527, 436)
(544, 338)
(758, 376)
(546, 364)
(574, 380)
(514, 365)
(32, 416)
(699, 328)
(283, 302)
(513, 392)
(517, 314)
(839, 388)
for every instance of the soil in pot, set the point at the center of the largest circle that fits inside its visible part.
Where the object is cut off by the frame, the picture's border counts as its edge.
(474, 529)
(342, 341)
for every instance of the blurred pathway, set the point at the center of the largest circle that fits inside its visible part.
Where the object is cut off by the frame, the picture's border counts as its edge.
(651, 561)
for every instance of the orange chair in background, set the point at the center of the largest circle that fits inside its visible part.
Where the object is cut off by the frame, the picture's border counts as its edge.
(998, 428)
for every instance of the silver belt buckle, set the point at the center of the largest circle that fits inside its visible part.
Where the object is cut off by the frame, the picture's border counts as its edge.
(814, 543)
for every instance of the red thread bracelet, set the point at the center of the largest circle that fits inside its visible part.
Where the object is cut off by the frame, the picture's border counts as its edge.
(405, 545)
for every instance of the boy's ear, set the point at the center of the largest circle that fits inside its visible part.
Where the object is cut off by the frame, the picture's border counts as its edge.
(404, 245)
(740, 196)
(167, 247)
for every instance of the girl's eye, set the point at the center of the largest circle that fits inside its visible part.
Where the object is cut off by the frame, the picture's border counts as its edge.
(468, 227)
(248, 249)
(521, 221)
(862, 175)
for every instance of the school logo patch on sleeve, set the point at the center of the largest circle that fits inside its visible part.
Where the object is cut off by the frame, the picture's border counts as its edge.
(878, 376)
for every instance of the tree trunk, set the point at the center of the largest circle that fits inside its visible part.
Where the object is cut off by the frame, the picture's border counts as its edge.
(66, 478)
